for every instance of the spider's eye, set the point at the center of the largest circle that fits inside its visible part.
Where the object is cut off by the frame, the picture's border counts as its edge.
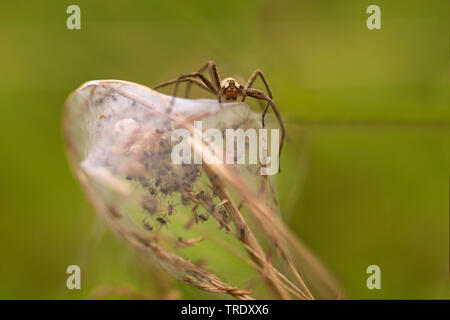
(241, 87)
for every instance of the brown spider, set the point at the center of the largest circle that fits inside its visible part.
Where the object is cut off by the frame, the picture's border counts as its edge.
(229, 89)
(147, 225)
(162, 222)
(203, 217)
(171, 210)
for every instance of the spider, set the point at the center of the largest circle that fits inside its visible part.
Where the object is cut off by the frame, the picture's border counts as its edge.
(162, 220)
(229, 89)
(147, 225)
(171, 210)
(203, 217)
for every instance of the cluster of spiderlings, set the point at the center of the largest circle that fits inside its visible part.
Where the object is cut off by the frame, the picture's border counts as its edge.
(166, 186)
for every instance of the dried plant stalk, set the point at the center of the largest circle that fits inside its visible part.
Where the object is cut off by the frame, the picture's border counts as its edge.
(245, 234)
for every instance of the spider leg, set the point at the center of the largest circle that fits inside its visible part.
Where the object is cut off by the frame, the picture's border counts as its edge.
(250, 82)
(252, 79)
(258, 94)
(189, 85)
(214, 76)
(264, 108)
(192, 75)
(182, 77)
(190, 81)
(212, 69)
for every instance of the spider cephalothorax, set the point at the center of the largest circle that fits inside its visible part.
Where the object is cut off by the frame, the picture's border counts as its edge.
(230, 89)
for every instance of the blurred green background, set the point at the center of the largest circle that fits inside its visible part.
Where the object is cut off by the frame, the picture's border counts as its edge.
(365, 171)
